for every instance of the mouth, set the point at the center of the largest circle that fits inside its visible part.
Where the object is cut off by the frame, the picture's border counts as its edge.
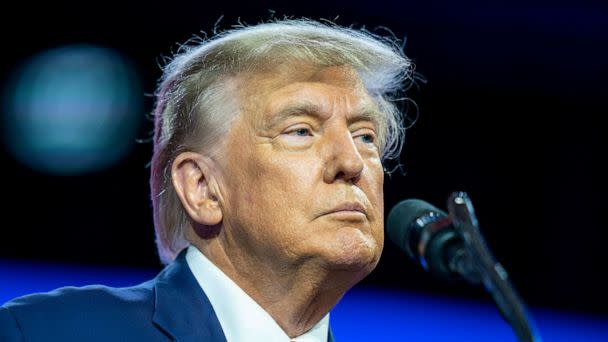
(348, 209)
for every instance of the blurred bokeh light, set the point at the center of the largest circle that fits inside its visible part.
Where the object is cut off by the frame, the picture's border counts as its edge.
(72, 110)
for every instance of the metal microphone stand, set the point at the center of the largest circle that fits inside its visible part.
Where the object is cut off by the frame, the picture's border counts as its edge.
(491, 273)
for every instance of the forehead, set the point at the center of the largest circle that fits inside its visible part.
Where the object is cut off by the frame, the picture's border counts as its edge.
(326, 88)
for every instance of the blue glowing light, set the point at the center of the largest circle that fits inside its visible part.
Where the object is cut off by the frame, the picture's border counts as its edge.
(72, 109)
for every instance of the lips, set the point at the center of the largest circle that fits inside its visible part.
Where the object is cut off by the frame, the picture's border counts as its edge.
(347, 207)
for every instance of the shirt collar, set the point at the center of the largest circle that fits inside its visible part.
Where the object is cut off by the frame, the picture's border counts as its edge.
(241, 318)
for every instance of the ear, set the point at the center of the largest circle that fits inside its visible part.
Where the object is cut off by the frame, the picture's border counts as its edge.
(195, 185)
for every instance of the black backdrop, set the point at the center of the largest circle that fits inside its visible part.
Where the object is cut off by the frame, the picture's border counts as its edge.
(511, 113)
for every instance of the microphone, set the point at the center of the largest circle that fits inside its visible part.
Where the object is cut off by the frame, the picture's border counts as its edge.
(428, 236)
(450, 246)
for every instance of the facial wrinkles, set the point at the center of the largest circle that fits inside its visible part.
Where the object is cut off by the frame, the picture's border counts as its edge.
(338, 107)
(275, 175)
(337, 143)
(357, 187)
(308, 85)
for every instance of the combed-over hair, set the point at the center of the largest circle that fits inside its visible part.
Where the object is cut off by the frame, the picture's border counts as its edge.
(190, 112)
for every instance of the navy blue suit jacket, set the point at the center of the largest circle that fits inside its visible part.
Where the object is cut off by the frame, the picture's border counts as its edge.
(170, 307)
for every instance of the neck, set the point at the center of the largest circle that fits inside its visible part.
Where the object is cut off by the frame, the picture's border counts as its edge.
(295, 296)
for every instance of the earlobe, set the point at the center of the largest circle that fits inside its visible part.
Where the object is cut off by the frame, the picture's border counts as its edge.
(192, 178)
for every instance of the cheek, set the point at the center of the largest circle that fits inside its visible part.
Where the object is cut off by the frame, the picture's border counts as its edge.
(269, 185)
(376, 183)
(272, 200)
(277, 178)
(376, 197)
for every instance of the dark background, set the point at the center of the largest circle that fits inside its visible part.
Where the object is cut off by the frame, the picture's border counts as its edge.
(511, 112)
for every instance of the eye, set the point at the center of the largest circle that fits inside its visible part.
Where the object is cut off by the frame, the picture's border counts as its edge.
(300, 132)
(368, 138)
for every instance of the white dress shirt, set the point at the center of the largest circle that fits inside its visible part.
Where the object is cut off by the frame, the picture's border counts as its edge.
(241, 318)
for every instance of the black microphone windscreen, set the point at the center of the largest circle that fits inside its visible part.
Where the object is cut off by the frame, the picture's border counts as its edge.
(403, 215)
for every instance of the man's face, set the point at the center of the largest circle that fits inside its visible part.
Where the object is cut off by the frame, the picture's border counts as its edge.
(302, 172)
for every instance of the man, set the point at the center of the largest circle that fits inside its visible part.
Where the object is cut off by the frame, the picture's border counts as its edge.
(267, 188)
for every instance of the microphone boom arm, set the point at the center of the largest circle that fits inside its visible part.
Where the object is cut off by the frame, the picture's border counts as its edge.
(493, 275)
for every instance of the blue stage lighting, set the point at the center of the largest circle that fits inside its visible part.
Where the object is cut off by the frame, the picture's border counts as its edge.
(72, 109)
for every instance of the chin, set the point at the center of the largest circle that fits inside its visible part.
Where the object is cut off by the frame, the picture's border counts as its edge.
(353, 250)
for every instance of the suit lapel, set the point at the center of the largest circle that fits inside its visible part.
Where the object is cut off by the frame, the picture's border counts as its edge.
(181, 308)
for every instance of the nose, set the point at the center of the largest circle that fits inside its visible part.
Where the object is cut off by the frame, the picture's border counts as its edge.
(343, 160)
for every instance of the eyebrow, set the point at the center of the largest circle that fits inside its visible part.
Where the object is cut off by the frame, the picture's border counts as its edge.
(306, 108)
